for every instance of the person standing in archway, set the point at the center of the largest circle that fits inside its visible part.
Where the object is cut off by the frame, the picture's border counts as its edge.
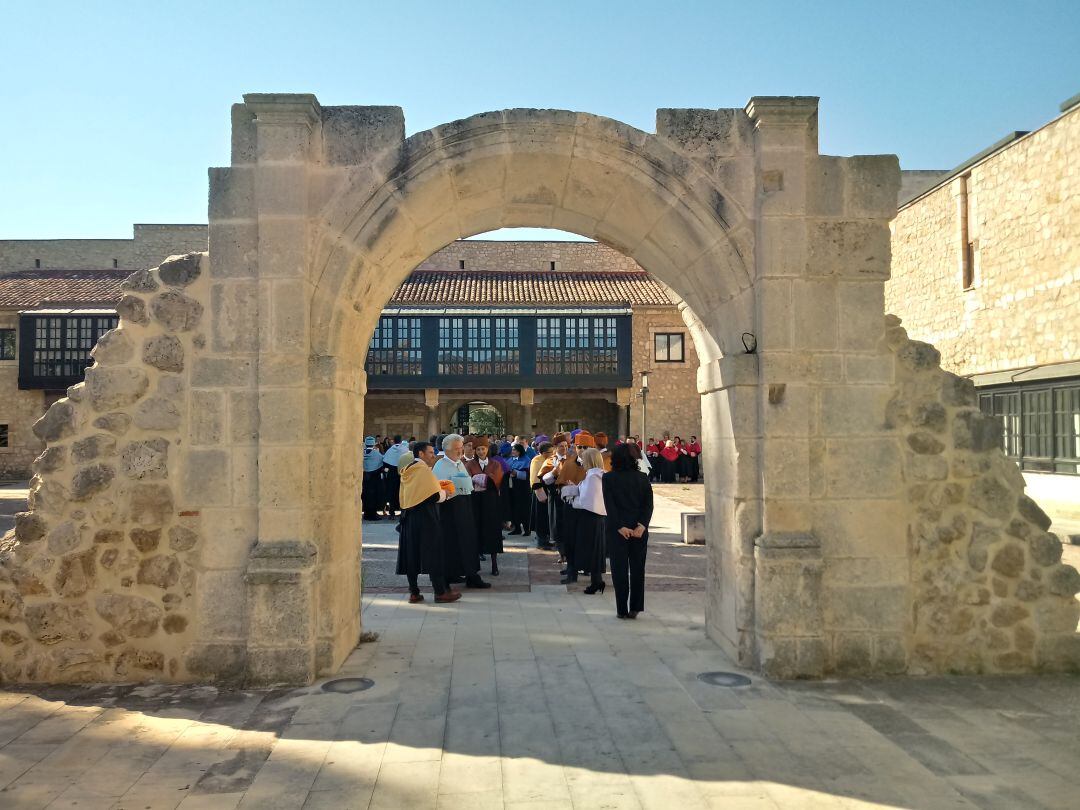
(519, 491)
(693, 450)
(669, 455)
(540, 523)
(393, 480)
(421, 548)
(601, 440)
(456, 516)
(547, 474)
(487, 477)
(568, 476)
(588, 505)
(628, 501)
(371, 493)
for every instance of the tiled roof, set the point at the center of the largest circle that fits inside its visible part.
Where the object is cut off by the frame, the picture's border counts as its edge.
(456, 287)
(31, 288)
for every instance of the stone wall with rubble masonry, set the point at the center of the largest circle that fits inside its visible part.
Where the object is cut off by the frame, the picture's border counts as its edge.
(988, 590)
(98, 579)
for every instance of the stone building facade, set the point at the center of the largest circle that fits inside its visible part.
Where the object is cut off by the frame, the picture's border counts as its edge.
(148, 247)
(546, 278)
(986, 265)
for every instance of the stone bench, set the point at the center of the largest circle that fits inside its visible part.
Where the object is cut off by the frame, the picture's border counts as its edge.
(693, 528)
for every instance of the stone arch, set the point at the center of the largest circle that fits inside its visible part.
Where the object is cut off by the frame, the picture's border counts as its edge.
(861, 518)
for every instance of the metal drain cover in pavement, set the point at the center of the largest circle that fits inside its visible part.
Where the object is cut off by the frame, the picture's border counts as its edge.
(348, 685)
(723, 679)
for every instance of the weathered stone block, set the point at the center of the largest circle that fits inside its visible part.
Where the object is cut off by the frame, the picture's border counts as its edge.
(93, 447)
(132, 309)
(1063, 580)
(160, 571)
(151, 504)
(1031, 512)
(176, 311)
(53, 622)
(145, 459)
(1009, 560)
(113, 348)
(115, 423)
(29, 527)
(141, 281)
(925, 444)
(972, 430)
(991, 497)
(112, 388)
(182, 538)
(857, 249)
(234, 310)
(157, 413)
(164, 352)
(77, 574)
(90, 480)
(223, 372)
(206, 478)
(132, 662)
(146, 540)
(207, 417)
(132, 615)
(957, 391)
(58, 423)
(862, 467)
(180, 271)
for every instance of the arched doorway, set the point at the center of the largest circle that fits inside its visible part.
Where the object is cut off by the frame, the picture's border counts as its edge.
(855, 509)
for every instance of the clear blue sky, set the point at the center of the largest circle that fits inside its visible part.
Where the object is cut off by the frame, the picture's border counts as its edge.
(111, 112)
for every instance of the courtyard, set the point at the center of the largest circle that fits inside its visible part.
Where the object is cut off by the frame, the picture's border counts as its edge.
(532, 696)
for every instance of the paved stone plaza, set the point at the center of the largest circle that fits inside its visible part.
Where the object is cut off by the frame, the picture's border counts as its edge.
(527, 696)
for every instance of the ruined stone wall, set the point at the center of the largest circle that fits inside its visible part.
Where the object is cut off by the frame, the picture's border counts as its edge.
(1023, 216)
(18, 410)
(988, 590)
(149, 245)
(674, 406)
(479, 254)
(98, 582)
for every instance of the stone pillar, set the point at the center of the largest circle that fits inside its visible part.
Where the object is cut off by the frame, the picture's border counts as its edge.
(527, 397)
(271, 312)
(730, 464)
(431, 400)
(795, 316)
(623, 398)
(281, 613)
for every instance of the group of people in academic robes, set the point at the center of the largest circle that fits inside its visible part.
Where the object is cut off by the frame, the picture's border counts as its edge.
(599, 504)
(590, 503)
(673, 460)
(380, 493)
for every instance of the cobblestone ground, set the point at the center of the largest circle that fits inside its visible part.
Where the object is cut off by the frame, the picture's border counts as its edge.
(533, 696)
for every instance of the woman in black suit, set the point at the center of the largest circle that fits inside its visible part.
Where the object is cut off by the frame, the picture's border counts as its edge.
(628, 502)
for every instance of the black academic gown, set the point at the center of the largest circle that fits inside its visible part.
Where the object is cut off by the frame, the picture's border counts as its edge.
(421, 549)
(459, 532)
(487, 509)
(589, 548)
